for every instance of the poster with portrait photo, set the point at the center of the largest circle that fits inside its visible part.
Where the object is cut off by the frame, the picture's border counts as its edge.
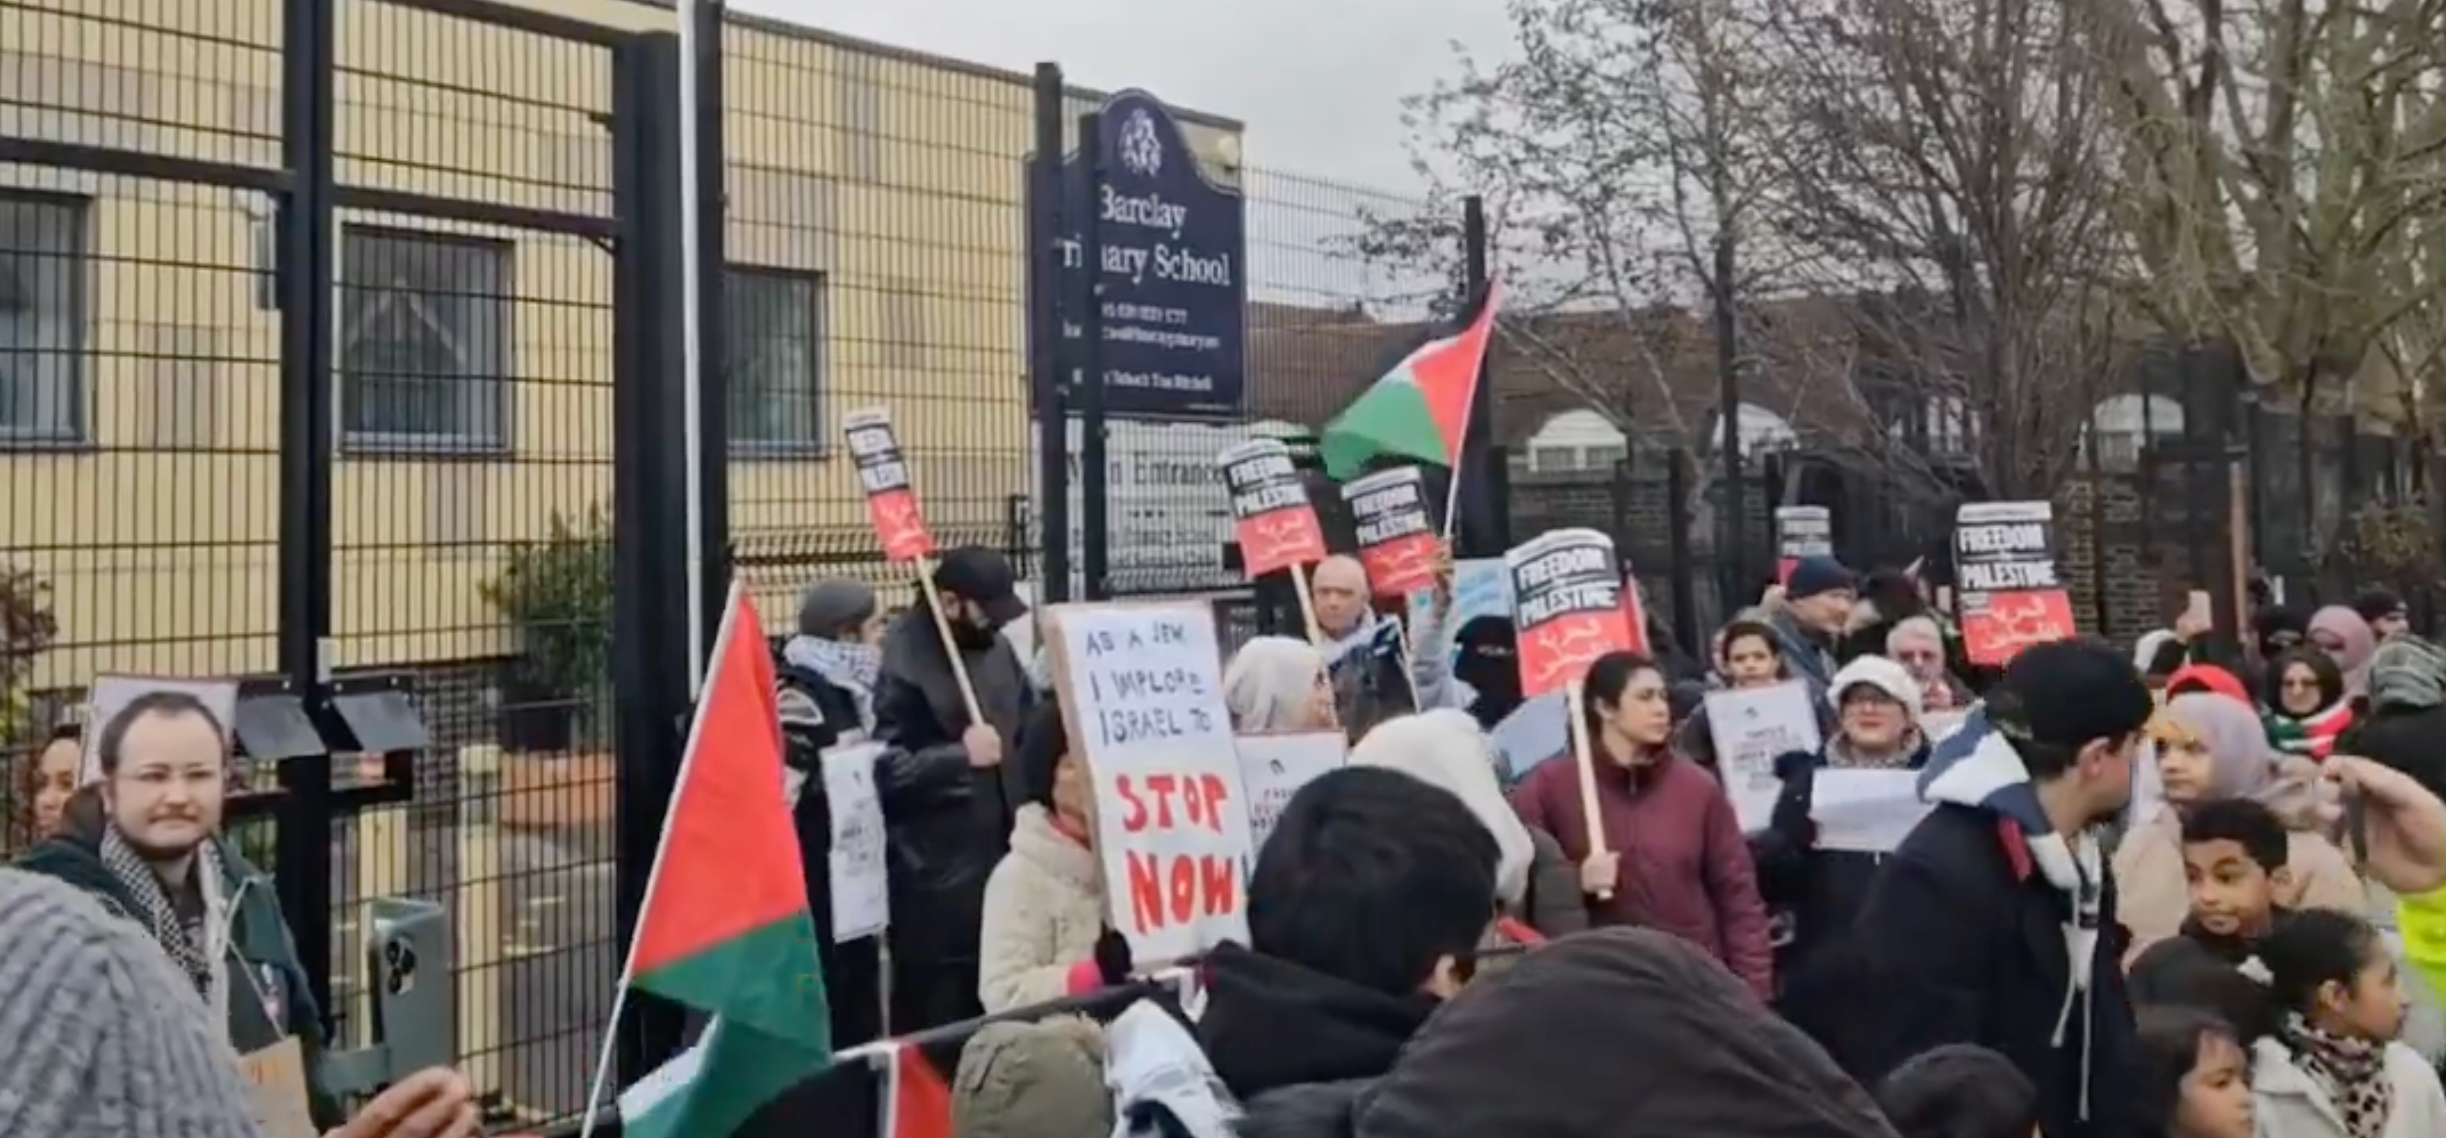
(113, 694)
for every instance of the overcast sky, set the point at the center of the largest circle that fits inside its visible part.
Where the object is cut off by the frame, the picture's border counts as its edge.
(1319, 82)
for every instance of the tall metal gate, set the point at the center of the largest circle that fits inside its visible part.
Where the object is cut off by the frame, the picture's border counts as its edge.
(323, 319)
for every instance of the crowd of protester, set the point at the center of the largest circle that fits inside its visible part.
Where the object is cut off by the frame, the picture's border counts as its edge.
(2184, 890)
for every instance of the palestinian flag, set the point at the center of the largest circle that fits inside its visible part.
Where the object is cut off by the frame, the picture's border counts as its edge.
(1418, 408)
(916, 1101)
(725, 927)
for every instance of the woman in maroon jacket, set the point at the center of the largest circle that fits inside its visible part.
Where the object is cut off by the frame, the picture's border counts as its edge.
(1676, 859)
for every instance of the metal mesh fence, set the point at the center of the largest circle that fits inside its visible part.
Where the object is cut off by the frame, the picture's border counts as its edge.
(138, 375)
(874, 235)
(471, 511)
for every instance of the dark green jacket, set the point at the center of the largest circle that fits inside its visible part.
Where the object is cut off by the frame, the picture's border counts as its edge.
(265, 974)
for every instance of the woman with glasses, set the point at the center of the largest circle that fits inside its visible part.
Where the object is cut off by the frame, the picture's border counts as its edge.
(2307, 707)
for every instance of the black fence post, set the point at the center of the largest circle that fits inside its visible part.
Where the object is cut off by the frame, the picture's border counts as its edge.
(1484, 527)
(1095, 512)
(649, 495)
(1046, 249)
(302, 862)
(1678, 468)
(712, 270)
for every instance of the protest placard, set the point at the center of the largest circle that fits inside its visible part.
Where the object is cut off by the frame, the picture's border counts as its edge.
(111, 694)
(275, 1079)
(1567, 602)
(1274, 766)
(1141, 691)
(1801, 531)
(1751, 727)
(1270, 509)
(861, 894)
(2004, 565)
(1865, 811)
(891, 499)
(1397, 538)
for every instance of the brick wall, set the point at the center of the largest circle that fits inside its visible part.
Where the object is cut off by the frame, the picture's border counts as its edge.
(2132, 600)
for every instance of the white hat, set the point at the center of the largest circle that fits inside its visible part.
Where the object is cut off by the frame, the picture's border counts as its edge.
(1879, 673)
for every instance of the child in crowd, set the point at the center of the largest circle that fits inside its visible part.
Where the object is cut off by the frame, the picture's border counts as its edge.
(2333, 1068)
(1959, 1091)
(2234, 855)
(2195, 1077)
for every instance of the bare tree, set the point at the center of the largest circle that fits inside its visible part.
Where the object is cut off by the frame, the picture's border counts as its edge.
(1947, 159)
(1626, 152)
(2284, 159)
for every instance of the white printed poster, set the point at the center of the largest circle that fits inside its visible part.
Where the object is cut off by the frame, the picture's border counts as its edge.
(1141, 689)
(1752, 726)
(1865, 811)
(861, 885)
(111, 694)
(1275, 766)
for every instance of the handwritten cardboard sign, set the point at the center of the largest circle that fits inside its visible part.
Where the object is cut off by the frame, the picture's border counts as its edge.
(2004, 565)
(1397, 538)
(1270, 509)
(111, 694)
(275, 1079)
(1567, 602)
(1274, 766)
(1141, 689)
(861, 894)
(891, 499)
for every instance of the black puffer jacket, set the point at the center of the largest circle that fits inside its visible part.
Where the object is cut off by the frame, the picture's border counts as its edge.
(1815, 894)
(1271, 1024)
(1616, 1033)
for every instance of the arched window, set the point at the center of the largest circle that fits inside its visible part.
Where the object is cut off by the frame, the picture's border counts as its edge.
(1761, 430)
(2126, 424)
(1576, 441)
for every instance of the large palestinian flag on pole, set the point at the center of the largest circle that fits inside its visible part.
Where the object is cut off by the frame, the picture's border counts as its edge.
(1418, 409)
(725, 928)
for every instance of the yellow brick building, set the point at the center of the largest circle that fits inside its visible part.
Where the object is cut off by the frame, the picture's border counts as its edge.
(875, 231)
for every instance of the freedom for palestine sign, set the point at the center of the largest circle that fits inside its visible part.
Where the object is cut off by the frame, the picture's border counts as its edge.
(1174, 269)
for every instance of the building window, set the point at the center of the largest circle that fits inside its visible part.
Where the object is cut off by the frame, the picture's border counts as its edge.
(773, 359)
(43, 267)
(2125, 426)
(424, 341)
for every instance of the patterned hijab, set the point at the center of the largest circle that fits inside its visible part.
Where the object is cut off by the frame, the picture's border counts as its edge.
(2408, 673)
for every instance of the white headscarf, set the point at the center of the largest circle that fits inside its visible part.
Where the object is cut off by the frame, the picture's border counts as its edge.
(1445, 748)
(1270, 684)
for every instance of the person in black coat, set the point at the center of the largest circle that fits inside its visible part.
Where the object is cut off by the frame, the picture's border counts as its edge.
(1994, 921)
(948, 797)
(826, 681)
(1814, 893)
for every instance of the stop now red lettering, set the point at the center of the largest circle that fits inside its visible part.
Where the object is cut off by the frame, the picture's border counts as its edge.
(1172, 801)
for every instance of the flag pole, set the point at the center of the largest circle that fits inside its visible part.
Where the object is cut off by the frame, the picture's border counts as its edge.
(692, 332)
(628, 967)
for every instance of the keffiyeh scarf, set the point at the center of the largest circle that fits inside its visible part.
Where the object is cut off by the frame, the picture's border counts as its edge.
(187, 942)
(847, 665)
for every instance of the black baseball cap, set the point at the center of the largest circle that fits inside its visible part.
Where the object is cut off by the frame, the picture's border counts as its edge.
(2070, 692)
(981, 575)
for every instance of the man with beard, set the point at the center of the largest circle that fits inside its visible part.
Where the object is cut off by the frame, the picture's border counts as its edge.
(1993, 923)
(146, 842)
(948, 799)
